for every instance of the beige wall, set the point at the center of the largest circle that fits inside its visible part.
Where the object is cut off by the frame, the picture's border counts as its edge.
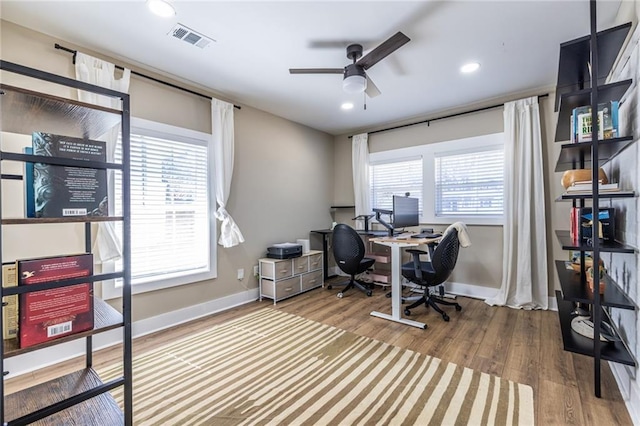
(282, 180)
(480, 264)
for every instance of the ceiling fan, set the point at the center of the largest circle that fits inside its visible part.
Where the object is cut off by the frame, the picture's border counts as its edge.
(355, 78)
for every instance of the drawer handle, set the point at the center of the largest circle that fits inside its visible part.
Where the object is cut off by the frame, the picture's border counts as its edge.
(288, 289)
(300, 267)
(312, 281)
(284, 271)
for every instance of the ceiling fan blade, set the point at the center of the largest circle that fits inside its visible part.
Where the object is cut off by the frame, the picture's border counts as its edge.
(372, 90)
(316, 70)
(385, 49)
(338, 44)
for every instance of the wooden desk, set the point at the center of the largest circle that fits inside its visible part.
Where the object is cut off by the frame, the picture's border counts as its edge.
(396, 245)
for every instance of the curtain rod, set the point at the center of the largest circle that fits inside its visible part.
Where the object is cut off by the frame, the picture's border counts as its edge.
(443, 117)
(66, 49)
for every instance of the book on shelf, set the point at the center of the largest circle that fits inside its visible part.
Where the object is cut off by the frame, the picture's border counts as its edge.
(588, 187)
(608, 125)
(10, 310)
(61, 191)
(29, 197)
(50, 314)
(574, 225)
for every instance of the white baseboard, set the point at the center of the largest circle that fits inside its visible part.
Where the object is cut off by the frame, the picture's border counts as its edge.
(479, 292)
(36, 360)
(629, 389)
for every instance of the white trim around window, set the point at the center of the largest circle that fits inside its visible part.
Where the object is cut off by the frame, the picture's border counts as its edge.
(161, 135)
(428, 153)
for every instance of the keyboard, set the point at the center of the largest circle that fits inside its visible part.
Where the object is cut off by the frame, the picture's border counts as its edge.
(426, 235)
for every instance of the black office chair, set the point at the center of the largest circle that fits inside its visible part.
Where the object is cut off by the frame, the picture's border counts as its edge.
(431, 274)
(349, 251)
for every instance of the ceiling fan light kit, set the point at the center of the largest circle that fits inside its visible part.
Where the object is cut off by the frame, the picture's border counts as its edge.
(355, 80)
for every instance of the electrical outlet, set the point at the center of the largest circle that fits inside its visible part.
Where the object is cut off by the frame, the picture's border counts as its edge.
(240, 274)
(256, 271)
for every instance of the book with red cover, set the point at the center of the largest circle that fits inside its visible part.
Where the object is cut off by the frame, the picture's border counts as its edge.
(50, 314)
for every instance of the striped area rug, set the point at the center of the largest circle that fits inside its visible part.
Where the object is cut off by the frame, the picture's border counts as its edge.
(274, 368)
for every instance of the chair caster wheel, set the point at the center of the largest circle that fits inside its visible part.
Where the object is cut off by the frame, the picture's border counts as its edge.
(369, 293)
(445, 317)
(339, 295)
(458, 308)
(329, 287)
(388, 295)
(407, 312)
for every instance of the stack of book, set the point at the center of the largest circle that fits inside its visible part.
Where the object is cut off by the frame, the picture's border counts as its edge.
(608, 126)
(586, 187)
(40, 316)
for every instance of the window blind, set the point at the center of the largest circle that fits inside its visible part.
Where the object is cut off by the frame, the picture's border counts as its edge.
(469, 183)
(169, 207)
(395, 178)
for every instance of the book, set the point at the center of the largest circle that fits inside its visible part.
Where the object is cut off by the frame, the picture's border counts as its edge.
(61, 191)
(29, 197)
(574, 225)
(608, 126)
(50, 314)
(10, 310)
(588, 187)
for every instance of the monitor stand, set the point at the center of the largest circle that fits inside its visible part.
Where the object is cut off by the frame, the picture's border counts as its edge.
(379, 214)
(366, 218)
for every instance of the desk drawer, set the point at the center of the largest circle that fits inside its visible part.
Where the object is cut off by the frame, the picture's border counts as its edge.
(311, 280)
(315, 261)
(276, 269)
(280, 289)
(287, 287)
(300, 265)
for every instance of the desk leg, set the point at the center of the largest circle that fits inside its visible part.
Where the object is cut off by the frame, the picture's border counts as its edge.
(396, 293)
(325, 256)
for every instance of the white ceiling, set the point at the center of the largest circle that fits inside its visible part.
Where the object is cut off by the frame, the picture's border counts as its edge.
(517, 43)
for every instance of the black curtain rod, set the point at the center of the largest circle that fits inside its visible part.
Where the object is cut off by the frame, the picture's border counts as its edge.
(66, 49)
(443, 117)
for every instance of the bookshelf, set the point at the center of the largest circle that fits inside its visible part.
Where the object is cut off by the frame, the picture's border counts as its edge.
(80, 397)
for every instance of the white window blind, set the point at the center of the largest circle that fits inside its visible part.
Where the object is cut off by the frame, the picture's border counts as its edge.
(470, 183)
(169, 207)
(395, 178)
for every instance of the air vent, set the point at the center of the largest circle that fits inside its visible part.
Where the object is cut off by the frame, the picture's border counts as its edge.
(188, 35)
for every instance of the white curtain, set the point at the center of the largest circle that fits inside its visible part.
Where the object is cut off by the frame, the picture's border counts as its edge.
(360, 166)
(524, 268)
(223, 140)
(106, 246)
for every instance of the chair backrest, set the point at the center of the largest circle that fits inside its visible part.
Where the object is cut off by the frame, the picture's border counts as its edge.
(348, 248)
(445, 257)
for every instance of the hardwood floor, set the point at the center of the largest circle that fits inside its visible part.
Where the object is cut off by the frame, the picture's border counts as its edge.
(524, 346)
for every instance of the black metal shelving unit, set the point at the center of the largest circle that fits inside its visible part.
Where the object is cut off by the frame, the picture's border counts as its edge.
(592, 55)
(80, 397)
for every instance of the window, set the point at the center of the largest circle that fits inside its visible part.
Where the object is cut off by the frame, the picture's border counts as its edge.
(172, 233)
(395, 178)
(458, 180)
(469, 183)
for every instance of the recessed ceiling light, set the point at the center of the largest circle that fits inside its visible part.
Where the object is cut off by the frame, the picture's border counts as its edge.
(347, 105)
(470, 67)
(161, 8)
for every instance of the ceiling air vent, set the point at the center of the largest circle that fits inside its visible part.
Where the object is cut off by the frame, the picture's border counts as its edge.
(188, 35)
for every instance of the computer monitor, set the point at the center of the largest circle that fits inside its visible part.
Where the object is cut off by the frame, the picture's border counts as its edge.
(405, 212)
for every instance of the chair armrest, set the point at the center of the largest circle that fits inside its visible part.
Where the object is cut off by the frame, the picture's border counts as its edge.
(416, 261)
